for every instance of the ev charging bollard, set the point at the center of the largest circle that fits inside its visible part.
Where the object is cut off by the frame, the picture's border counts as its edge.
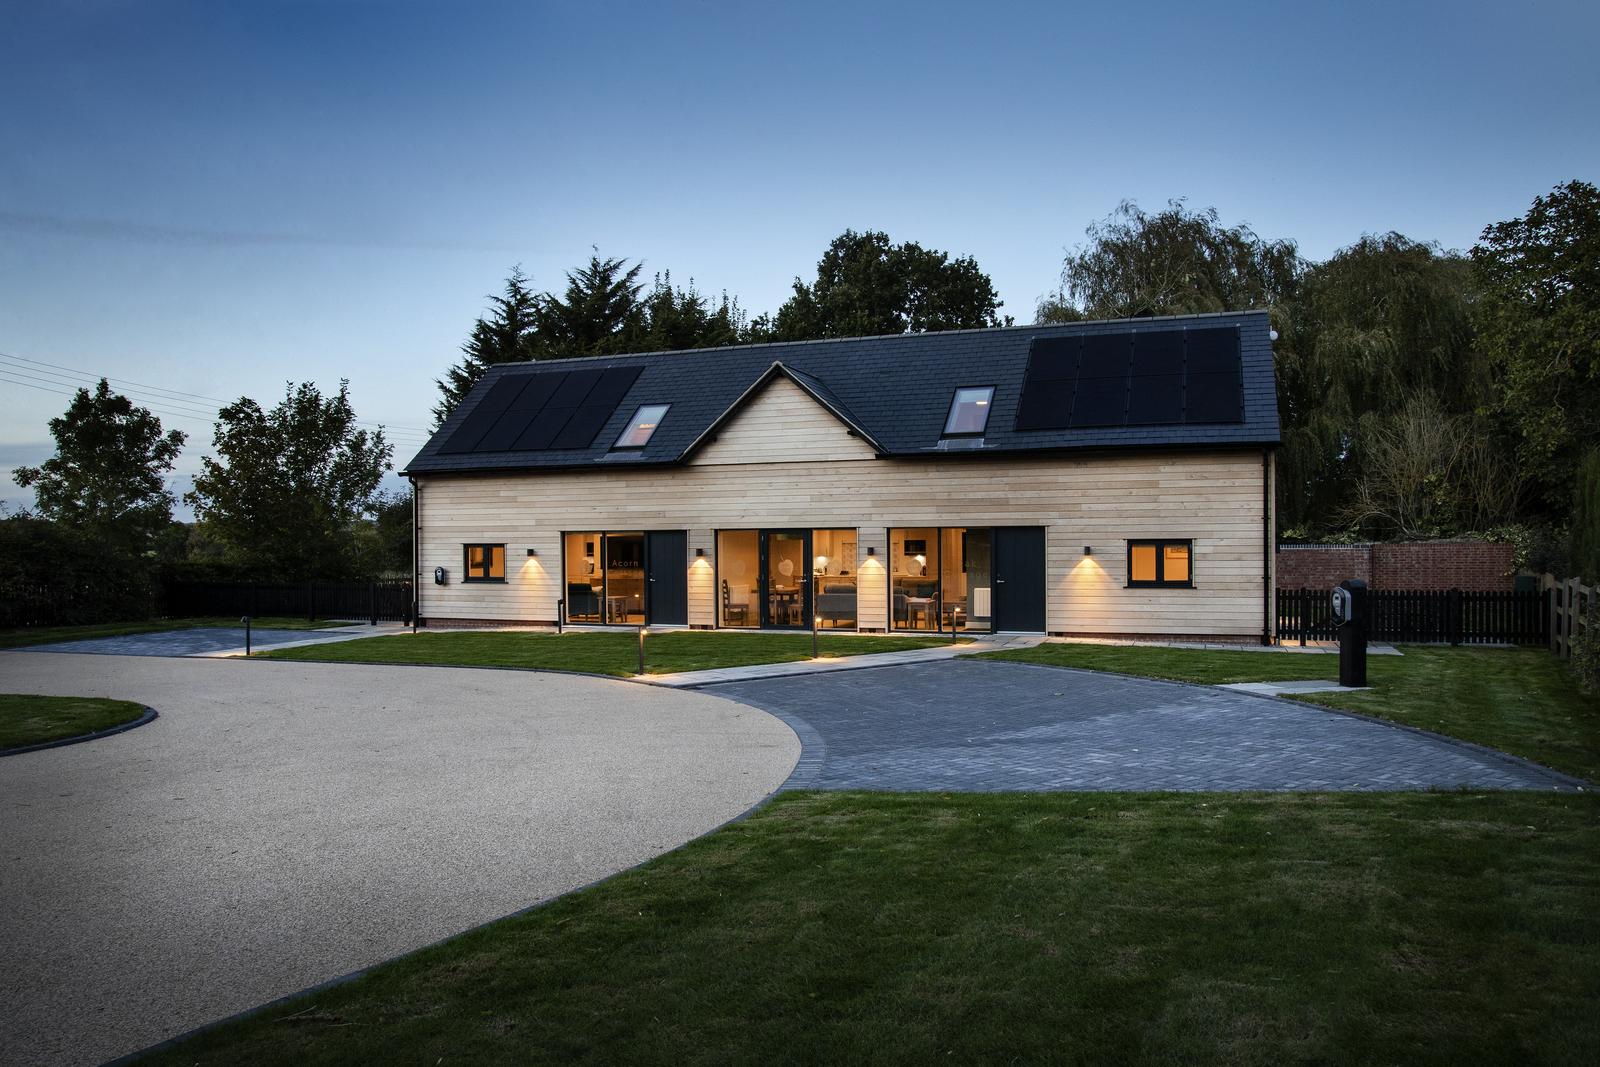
(1350, 607)
(246, 621)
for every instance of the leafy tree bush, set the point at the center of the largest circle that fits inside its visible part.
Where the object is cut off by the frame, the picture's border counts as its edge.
(1585, 555)
(53, 574)
(291, 484)
(108, 476)
(1538, 317)
(1174, 262)
(1585, 661)
(866, 286)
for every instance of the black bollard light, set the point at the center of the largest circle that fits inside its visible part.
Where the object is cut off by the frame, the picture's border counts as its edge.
(246, 620)
(643, 630)
(815, 619)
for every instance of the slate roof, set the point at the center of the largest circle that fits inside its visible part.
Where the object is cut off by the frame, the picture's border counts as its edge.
(896, 389)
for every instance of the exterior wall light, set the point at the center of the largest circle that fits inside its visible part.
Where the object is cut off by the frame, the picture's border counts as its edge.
(1087, 551)
(699, 553)
(872, 550)
(532, 552)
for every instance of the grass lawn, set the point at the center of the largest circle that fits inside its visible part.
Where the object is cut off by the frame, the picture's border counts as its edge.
(1075, 928)
(46, 635)
(30, 720)
(598, 653)
(1520, 700)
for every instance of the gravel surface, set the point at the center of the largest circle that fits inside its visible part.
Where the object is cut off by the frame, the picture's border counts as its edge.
(285, 823)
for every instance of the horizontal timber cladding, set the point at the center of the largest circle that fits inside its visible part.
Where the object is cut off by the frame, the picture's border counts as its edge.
(1213, 498)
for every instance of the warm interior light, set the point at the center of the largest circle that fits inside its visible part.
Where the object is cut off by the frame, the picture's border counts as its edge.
(982, 403)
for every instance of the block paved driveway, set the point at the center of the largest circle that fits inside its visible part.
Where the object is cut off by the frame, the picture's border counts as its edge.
(986, 725)
(199, 641)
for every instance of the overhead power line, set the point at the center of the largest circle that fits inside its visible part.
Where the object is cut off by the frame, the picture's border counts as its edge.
(184, 401)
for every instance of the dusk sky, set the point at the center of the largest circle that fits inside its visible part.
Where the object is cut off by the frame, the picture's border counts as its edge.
(211, 199)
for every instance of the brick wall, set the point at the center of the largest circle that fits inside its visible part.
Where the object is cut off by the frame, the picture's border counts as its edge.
(1471, 565)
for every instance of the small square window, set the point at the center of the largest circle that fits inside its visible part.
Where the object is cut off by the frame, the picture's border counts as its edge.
(1157, 564)
(484, 563)
(643, 424)
(969, 411)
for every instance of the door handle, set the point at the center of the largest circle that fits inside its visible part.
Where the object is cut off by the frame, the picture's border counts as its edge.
(999, 581)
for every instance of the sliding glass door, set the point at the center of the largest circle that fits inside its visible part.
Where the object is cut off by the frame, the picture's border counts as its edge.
(941, 578)
(786, 572)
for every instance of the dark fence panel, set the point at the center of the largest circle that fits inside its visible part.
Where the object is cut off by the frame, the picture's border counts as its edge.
(1449, 616)
(372, 601)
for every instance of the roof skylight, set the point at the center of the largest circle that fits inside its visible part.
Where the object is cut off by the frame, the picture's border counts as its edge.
(643, 424)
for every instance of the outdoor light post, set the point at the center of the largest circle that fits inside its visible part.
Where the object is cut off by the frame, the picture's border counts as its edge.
(815, 618)
(246, 621)
(643, 630)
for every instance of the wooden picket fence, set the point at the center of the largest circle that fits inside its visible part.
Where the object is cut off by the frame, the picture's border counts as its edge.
(1448, 616)
(1570, 603)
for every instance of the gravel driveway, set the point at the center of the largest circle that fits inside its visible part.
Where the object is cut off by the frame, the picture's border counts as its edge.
(285, 823)
(990, 725)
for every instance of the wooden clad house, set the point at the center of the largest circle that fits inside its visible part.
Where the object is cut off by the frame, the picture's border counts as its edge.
(1088, 478)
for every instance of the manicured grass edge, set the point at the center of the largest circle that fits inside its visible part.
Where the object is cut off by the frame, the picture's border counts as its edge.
(150, 715)
(1306, 701)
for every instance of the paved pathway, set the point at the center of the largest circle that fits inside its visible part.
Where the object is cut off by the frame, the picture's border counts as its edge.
(285, 823)
(206, 641)
(833, 664)
(977, 725)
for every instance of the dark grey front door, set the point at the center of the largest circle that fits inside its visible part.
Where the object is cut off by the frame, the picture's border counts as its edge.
(1019, 578)
(666, 570)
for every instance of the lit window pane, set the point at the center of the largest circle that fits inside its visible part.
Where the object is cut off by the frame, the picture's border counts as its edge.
(497, 561)
(1142, 563)
(475, 557)
(641, 426)
(1175, 563)
(969, 411)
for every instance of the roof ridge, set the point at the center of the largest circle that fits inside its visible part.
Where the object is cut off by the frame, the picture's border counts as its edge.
(918, 334)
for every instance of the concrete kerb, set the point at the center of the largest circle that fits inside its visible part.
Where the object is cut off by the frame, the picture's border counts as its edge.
(150, 715)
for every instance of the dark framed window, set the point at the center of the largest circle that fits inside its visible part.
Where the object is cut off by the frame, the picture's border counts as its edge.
(1163, 564)
(969, 411)
(642, 426)
(483, 563)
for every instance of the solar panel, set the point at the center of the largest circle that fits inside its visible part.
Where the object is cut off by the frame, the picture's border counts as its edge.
(1045, 405)
(580, 429)
(571, 393)
(1214, 398)
(612, 387)
(1053, 359)
(1211, 351)
(550, 409)
(1100, 402)
(1158, 352)
(483, 417)
(1106, 355)
(1138, 378)
(591, 416)
(539, 433)
(1156, 400)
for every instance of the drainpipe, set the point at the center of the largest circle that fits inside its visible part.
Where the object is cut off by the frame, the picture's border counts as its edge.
(1266, 546)
(416, 554)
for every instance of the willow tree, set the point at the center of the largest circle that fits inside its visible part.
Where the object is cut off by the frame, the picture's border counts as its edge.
(1381, 328)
